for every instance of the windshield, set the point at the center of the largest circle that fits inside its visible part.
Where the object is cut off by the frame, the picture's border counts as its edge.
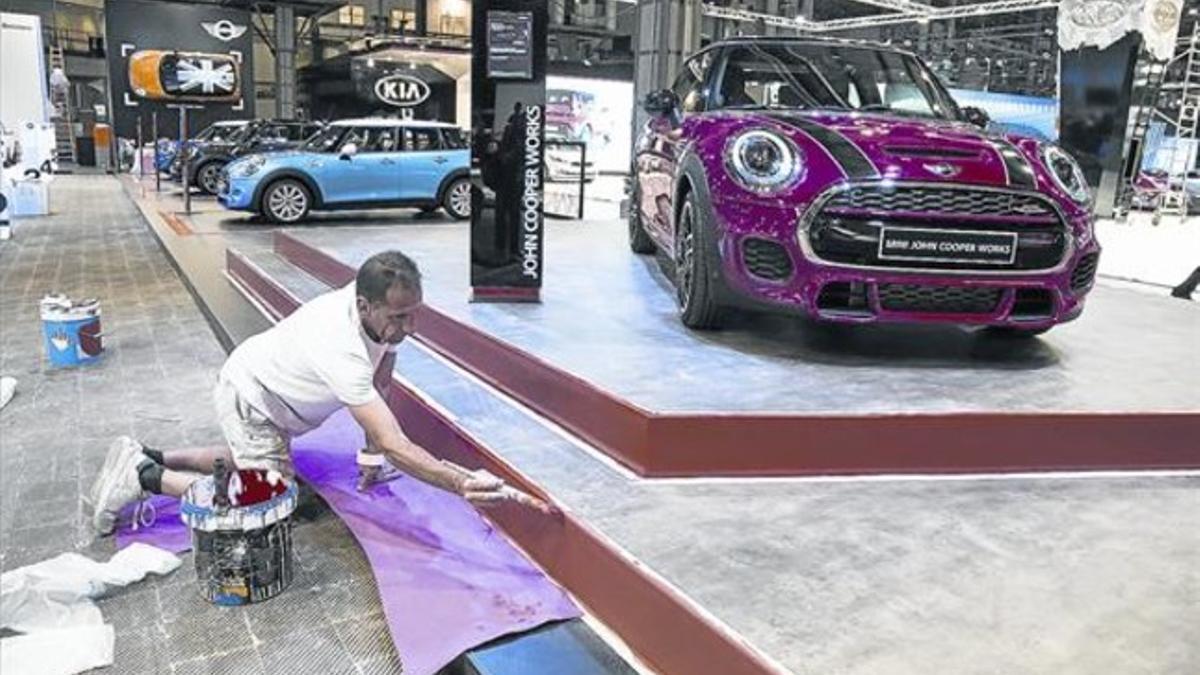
(217, 132)
(238, 135)
(325, 140)
(783, 75)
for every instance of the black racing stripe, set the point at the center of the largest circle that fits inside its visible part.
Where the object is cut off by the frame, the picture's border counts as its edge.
(848, 155)
(1020, 173)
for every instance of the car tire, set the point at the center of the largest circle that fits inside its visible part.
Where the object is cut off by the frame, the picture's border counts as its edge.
(208, 178)
(696, 269)
(1014, 333)
(457, 199)
(286, 201)
(639, 240)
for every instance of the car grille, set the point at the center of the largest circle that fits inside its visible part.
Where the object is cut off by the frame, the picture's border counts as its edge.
(847, 228)
(1085, 272)
(942, 200)
(766, 259)
(939, 299)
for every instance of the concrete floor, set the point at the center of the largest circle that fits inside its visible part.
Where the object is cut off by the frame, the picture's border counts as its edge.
(609, 316)
(153, 382)
(1055, 575)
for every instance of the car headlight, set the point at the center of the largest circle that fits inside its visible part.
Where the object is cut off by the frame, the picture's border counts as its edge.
(1067, 174)
(247, 167)
(763, 161)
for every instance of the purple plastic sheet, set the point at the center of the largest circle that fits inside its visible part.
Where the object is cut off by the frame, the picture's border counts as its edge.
(448, 580)
(166, 532)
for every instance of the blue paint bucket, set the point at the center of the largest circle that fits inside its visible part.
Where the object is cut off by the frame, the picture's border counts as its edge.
(71, 330)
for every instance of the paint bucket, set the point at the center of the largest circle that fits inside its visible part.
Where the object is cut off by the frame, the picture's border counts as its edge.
(243, 551)
(71, 330)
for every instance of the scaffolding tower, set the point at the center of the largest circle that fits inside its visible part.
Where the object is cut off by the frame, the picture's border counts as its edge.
(1175, 198)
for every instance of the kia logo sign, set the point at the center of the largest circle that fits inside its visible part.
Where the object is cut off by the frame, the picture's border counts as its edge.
(401, 90)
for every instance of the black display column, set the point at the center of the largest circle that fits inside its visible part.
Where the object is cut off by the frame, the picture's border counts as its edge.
(1094, 98)
(508, 103)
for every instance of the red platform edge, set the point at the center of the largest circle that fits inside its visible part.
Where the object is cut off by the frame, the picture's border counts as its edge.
(656, 621)
(722, 444)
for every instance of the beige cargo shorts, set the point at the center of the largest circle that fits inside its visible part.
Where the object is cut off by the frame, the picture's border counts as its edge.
(254, 441)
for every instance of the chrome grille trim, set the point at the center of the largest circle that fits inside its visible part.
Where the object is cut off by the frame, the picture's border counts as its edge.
(805, 217)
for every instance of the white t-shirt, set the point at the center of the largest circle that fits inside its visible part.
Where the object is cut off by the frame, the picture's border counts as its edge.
(309, 365)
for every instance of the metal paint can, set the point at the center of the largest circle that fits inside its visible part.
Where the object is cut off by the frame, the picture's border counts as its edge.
(243, 552)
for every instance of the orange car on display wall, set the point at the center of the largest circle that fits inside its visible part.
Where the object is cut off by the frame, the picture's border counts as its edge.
(184, 76)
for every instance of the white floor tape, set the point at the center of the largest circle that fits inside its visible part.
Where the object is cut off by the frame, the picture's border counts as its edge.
(51, 604)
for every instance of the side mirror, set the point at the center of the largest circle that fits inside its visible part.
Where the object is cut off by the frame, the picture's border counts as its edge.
(661, 103)
(976, 116)
(348, 150)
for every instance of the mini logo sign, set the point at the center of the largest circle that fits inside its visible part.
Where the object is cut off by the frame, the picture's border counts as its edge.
(942, 169)
(224, 30)
(401, 91)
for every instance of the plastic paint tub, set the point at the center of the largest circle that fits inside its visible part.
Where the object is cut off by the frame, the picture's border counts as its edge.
(71, 330)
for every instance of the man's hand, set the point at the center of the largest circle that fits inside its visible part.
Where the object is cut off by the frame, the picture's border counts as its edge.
(482, 488)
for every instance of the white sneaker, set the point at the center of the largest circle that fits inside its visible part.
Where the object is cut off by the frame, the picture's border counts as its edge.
(117, 484)
(116, 450)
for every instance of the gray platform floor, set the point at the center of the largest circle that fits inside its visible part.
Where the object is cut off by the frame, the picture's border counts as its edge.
(1053, 575)
(153, 382)
(609, 316)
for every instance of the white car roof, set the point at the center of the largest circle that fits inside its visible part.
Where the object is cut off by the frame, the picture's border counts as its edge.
(231, 123)
(391, 122)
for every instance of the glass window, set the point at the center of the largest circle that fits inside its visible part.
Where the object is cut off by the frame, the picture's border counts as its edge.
(689, 86)
(420, 139)
(352, 15)
(454, 139)
(379, 139)
(403, 20)
(797, 75)
(326, 140)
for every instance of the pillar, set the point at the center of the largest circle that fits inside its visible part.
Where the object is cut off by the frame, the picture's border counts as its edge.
(285, 62)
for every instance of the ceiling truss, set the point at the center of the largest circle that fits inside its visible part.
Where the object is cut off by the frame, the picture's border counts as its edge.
(906, 11)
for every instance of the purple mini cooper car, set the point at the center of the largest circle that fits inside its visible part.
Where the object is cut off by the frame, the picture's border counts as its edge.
(839, 179)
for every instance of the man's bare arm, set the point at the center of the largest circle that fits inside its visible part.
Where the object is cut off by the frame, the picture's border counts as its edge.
(384, 433)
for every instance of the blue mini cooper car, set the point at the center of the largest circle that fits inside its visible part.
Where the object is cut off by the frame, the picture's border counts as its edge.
(356, 164)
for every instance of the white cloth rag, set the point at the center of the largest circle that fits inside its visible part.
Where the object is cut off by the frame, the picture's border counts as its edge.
(51, 604)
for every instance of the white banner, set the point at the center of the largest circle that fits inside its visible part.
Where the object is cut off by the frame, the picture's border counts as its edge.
(1099, 23)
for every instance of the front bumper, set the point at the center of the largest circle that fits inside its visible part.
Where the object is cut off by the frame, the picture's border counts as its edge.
(765, 266)
(237, 193)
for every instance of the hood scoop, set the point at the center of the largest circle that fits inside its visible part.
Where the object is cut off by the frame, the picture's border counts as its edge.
(930, 153)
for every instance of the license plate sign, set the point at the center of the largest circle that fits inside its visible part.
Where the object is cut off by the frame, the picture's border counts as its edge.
(948, 246)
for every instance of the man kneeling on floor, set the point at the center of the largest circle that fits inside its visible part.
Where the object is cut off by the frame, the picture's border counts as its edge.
(287, 381)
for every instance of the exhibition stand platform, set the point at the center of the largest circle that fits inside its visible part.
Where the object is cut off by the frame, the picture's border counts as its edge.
(605, 357)
(750, 574)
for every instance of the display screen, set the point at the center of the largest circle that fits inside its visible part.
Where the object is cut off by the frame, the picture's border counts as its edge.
(510, 52)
